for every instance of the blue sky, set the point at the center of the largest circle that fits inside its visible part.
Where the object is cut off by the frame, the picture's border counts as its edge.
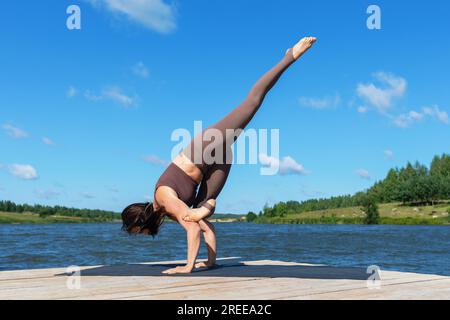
(86, 115)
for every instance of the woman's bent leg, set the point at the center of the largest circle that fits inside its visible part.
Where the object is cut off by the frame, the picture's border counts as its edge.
(209, 234)
(212, 184)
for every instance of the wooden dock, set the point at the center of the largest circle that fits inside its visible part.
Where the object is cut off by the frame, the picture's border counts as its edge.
(232, 280)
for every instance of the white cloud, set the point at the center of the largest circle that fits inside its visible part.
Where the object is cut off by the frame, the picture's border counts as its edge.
(71, 92)
(155, 160)
(140, 70)
(152, 14)
(363, 173)
(389, 154)
(415, 116)
(289, 166)
(113, 94)
(286, 166)
(437, 113)
(381, 97)
(14, 132)
(407, 119)
(48, 141)
(320, 103)
(23, 171)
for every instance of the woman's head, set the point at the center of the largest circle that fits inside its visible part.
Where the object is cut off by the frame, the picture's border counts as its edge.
(141, 218)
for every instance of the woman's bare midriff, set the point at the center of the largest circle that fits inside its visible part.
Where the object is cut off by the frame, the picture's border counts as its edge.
(185, 164)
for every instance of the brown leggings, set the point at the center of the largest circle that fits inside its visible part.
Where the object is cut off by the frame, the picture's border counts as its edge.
(215, 174)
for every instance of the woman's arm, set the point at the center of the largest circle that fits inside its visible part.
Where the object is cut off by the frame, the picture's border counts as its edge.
(177, 209)
(193, 241)
(168, 199)
(193, 236)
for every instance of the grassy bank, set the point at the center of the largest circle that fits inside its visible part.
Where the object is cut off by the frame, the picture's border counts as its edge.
(33, 218)
(391, 213)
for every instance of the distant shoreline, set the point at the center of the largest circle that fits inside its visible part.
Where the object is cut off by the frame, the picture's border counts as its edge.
(34, 218)
(390, 214)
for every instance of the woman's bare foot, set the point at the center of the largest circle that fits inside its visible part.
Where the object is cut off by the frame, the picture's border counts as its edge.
(195, 215)
(302, 46)
(204, 264)
(180, 269)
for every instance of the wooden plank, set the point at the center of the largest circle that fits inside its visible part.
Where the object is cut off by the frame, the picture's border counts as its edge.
(235, 279)
(263, 288)
(97, 287)
(423, 290)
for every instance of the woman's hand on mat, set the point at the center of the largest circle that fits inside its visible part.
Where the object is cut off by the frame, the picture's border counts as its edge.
(302, 46)
(195, 215)
(180, 269)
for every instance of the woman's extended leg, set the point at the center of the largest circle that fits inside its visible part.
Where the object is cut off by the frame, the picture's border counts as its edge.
(230, 126)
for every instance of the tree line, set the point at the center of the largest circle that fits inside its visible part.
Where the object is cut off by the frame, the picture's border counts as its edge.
(412, 184)
(43, 211)
(415, 183)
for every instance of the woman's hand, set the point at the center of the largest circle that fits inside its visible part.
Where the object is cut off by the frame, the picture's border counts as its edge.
(193, 231)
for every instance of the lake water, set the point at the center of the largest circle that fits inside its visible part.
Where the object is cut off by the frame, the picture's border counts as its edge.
(423, 249)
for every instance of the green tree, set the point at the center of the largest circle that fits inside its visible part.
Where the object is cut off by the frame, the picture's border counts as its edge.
(440, 166)
(251, 216)
(370, 208)
(391, 186)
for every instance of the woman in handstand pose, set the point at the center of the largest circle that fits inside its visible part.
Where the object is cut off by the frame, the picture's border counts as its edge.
(204, 165)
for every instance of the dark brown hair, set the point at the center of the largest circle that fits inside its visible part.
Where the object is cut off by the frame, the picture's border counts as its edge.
(142, 218)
